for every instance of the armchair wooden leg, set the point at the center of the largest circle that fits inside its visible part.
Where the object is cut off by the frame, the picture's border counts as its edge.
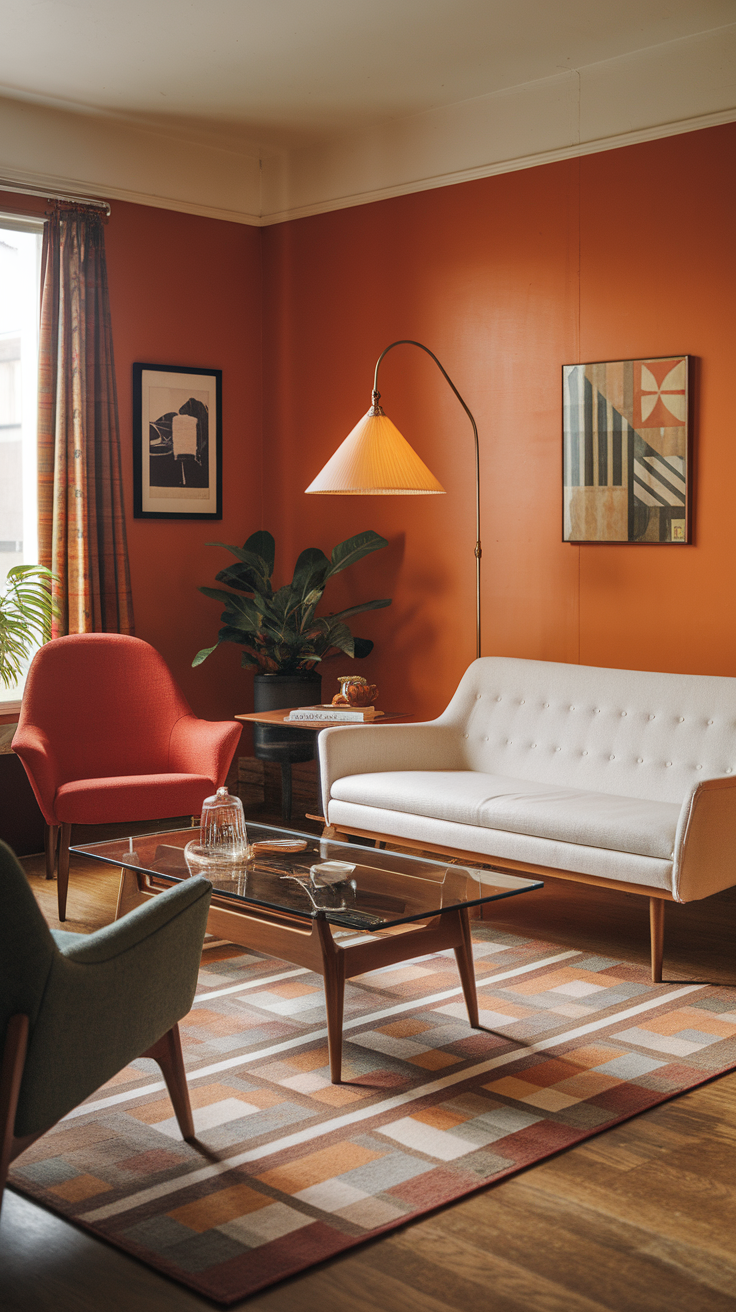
(63, 872)
(11, 1072)
(51, 842)
(167, 1052)
(656, 933)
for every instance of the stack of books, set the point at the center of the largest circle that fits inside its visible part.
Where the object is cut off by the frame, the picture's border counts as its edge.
(340, 714)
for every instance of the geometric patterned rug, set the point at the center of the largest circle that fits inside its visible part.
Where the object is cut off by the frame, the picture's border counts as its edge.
(290, 1169)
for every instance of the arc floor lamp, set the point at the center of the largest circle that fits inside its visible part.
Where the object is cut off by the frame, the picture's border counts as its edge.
(375, 460)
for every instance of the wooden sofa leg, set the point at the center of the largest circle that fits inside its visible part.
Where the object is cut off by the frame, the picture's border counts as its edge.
(51, 841)
(656, 932)
(167, 1052)
(11, 1073)
(63, 871)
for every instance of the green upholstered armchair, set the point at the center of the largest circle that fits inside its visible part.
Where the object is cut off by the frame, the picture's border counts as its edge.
(76, 1008)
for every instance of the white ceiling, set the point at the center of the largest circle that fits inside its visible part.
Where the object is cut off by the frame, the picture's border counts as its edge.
(289, 73)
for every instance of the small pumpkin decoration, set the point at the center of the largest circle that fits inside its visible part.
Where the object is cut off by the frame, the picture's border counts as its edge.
(355, 691)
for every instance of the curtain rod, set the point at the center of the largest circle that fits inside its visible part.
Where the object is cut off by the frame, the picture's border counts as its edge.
(52, 195)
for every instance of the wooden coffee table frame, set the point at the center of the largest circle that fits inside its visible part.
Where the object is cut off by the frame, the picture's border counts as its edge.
(310, 943)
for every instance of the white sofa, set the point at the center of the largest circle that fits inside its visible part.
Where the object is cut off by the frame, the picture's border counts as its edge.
(616, 777)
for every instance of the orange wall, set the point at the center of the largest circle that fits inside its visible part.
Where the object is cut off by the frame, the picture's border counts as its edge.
(622, 254)
(187, 290)
(617, 255)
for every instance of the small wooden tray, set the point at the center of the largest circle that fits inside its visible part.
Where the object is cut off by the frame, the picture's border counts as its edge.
(279, 845)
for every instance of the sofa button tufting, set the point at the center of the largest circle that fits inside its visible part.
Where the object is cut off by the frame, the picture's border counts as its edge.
(729, 770)
(558, 749)
(698, 767)
(652, 717)
(478, 696)
(640, 760)
(612, 758)
(668, 763)
(465, 735)
(624, 712)
(585, 753)
(710, 722)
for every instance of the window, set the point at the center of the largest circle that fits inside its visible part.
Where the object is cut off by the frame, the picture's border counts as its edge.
(20, 273)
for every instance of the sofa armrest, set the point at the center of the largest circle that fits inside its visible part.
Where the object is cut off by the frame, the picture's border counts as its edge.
(705, 843)
(360, 749)
(33, 746)
(203, 747)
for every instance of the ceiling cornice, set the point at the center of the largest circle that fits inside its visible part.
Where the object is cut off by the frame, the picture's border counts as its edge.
(662, 91)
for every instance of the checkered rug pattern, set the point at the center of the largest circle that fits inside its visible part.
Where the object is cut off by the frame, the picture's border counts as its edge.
(290, 1169)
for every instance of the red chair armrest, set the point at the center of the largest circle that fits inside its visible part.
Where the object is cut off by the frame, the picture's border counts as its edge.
(203, 747)
(33, 747)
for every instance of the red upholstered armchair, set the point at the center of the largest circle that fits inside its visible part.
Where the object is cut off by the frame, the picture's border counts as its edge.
(106, 736)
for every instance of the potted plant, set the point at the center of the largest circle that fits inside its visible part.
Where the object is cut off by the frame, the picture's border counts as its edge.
(26, 611)
(282, 637)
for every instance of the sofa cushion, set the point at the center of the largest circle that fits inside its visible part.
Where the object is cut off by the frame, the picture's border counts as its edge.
(520, 806)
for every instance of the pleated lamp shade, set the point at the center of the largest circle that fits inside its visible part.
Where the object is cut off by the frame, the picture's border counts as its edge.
(375, 459)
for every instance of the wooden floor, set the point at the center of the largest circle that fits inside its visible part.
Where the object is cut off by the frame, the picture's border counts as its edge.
(641, 1218)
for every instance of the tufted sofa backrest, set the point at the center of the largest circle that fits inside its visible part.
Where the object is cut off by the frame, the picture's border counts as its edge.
(627, 732)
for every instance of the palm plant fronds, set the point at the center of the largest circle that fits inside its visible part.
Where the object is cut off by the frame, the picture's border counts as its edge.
(26, 611)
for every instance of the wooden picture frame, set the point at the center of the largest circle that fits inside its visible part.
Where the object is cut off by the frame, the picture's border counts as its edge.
(627, 459)
(177, 442)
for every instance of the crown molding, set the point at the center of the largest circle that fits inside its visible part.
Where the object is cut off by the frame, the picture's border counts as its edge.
(39, 183)
(503, 166)
(680, 86)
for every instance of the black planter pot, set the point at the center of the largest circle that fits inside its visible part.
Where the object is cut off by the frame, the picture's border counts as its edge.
(274, 692)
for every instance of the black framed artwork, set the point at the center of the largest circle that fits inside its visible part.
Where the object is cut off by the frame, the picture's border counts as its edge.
(177, 442)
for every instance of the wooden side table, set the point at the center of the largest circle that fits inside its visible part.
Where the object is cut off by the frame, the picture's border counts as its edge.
(314, 727)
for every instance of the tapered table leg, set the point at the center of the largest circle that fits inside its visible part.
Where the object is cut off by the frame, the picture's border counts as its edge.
(334, 976)
(466, 969)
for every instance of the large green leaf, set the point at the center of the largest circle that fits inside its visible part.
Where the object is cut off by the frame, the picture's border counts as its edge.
(363, 648)
(334, 634)
(310, 571)
(203, 654)
(353, 549)
(252, 566)
(263, 545)
(357, 610)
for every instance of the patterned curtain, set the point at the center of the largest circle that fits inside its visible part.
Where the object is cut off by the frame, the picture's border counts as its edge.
(80, 495)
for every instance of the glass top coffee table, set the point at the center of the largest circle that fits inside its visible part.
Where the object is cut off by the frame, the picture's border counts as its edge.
(294, 890)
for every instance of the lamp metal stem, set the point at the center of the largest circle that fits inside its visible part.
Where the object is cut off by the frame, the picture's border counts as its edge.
(408, 341)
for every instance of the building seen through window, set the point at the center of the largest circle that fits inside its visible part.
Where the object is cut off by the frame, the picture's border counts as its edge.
(20, 264)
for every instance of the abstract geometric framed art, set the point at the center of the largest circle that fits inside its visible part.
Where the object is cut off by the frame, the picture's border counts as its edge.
(626, 451)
